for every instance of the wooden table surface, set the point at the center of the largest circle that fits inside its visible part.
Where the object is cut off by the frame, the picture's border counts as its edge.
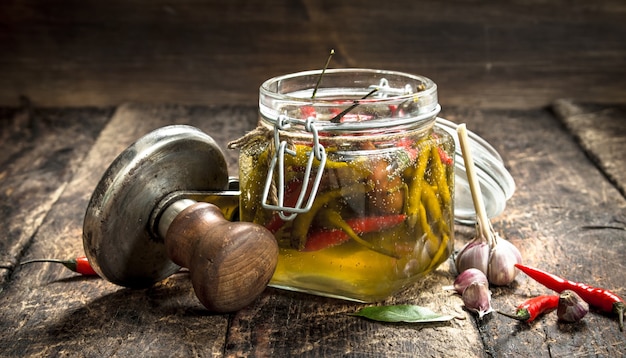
(551, 99)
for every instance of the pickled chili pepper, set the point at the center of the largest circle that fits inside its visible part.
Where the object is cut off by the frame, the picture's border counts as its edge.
(340, 115)
(332, 218)
(79, 265)
(291, 197)
(302, 222)
(322, 239)
(445, 158)
(602, 299)
(307, 111)
(408, 145)
(386, 190)
(439, 174)
(530, 309)
(415, 188)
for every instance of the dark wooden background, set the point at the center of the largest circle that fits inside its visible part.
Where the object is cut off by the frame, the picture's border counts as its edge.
(500, 54)
(543, 81)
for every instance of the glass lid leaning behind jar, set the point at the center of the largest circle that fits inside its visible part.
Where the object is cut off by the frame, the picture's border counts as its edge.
(353, 178)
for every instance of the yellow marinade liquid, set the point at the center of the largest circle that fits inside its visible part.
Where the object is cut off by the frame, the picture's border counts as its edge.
(381, 219)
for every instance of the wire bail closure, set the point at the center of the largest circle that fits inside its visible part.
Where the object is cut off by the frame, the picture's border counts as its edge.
(317, 152)
(384, 90)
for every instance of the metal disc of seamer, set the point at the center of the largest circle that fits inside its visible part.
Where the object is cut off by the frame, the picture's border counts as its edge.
(166, 202)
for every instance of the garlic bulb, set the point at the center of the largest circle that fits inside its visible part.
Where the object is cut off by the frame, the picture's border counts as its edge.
(502, 260)
(475, 254)
(477, 298)
(467, 277)
(488, 252)
(571, 308)
(497, 261)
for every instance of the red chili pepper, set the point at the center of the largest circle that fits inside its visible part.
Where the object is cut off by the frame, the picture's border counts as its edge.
(308, 111)
(275, 224)
(292, 193)
(408, 145)
(394, 110)
(79, 265)
(533, 307)
(83, 267)
(322, 239)
(445, 158)
(602, 299)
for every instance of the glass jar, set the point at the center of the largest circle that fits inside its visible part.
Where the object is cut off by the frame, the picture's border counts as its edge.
(354, 180)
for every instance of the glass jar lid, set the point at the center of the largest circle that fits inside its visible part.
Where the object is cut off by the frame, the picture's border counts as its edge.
(496, 183)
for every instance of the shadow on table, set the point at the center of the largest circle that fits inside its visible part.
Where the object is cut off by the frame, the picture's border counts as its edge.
(126, 322)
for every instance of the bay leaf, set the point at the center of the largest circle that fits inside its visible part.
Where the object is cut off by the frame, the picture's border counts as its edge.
(402, 313)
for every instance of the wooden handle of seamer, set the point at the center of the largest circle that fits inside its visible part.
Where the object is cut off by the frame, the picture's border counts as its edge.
(230, 263)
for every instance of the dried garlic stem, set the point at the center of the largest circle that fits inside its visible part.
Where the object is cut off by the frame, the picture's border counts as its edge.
(484, 225)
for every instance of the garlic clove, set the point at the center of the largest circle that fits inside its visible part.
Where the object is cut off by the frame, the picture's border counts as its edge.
(475, 254)
(468, 277)
(502, 259)
(477, 298)
(571, 307)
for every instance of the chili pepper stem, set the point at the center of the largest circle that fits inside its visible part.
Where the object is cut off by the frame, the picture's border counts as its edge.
(319, 79)
(337, 118)
(70, 264)
(620, 309)
(79, 265)
(519, 317)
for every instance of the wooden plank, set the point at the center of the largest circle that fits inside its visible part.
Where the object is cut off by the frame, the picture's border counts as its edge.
(600, 131)
(504, 55)
(292, 324)
(544, 219)
(559, 193)
(40, 151)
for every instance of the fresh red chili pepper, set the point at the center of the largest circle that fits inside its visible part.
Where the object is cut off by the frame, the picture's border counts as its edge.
(602, 299)
(83, 267)
(322, 239)
(79, 265)
(533, 307)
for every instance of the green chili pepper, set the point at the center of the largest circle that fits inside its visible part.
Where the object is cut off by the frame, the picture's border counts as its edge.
(302, 222)
(433, 206)
(301, 159)
(443, 245)
(415, 186)
(439, 174)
